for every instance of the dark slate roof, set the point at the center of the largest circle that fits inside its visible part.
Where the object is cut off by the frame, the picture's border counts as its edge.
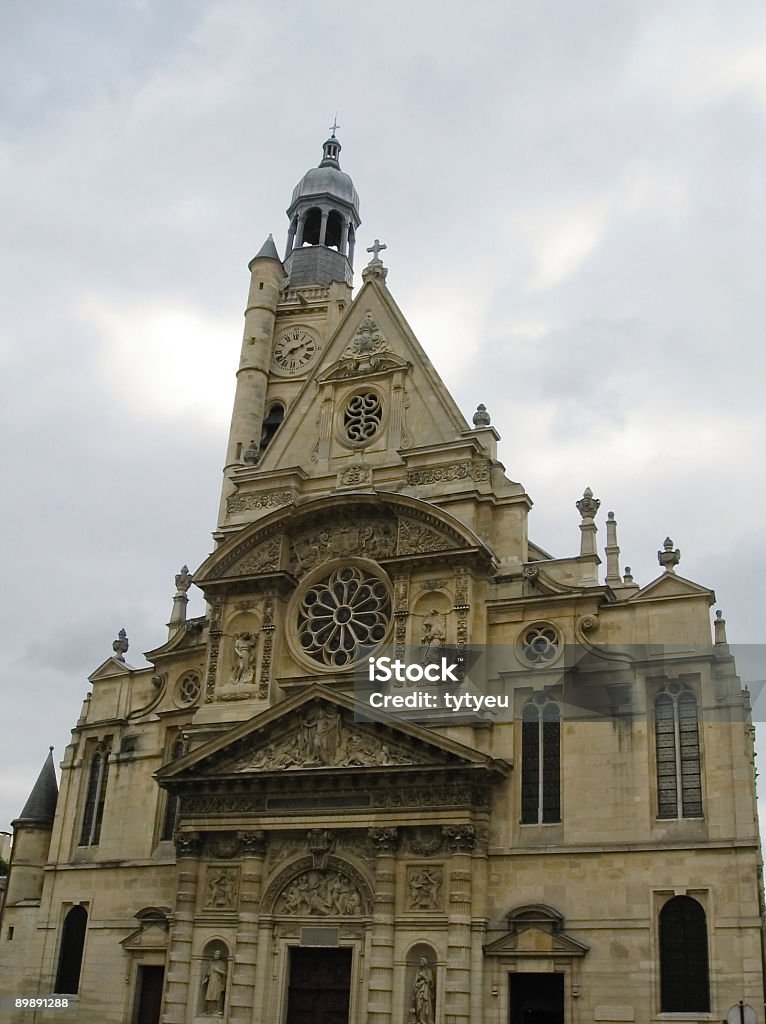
(268, 251)
(40, 808)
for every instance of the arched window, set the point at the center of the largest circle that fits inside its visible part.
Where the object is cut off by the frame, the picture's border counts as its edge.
(94, 798)
(684, 979)
(540, 764)
(170, 816)
(70, 954)
(271, 424)
(679, 780)
(312, 227)
(334, 231)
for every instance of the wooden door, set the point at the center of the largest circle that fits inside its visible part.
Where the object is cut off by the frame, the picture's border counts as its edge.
(320, 986)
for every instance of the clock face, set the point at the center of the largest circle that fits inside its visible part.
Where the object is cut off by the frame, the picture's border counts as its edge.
(295, 349)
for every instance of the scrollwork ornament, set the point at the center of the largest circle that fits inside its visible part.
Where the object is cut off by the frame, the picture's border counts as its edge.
(459, 838)
(384, 840)
(188, 844)
(252, 844)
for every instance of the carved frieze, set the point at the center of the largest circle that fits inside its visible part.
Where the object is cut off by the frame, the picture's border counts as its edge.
(267, 629)
(320, 893)
(368, 538)
(425, 887)
(214, 647)
(476, 470)
(252, 502)
(222, 888)
(418, 538)
(323, 740)
(263, 558)
(355, 476)
(423, 840)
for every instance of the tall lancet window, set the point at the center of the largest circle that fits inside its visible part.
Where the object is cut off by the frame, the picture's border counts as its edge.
(540, 764)
(95, 797)
(679, 779)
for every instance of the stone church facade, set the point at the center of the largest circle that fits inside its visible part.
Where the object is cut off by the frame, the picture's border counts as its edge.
(236, 838)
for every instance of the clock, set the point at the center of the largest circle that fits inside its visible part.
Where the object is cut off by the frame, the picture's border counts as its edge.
(294, 350)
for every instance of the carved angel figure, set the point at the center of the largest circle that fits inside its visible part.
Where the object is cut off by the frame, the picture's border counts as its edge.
(424, 889)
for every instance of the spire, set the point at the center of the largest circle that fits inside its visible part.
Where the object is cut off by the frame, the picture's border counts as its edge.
(612, 552)
(40, 808)
(588, 506)
(268, 251)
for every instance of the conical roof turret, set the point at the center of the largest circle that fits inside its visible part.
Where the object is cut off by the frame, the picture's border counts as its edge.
(40, 808)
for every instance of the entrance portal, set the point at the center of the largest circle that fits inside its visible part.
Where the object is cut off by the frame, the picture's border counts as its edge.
(537, 998)
(149, 999)
(320, 984)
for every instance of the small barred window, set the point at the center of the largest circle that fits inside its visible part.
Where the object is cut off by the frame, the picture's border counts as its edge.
(188, 688)
(348, 609)
(362, 417)
(540, 645)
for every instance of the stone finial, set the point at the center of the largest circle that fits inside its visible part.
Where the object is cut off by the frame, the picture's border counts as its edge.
(375, 267)
(627, 578)
(120, 645)
(252, 454)
(481, 416)
(719, 627)
(183, 580)
(612, 551)
(588, 506)
(668, 558)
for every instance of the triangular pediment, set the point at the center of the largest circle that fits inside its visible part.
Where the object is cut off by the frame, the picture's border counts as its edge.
(671, 585)
(372, 344)
(320, 731)
(111, 667)
(535, 931)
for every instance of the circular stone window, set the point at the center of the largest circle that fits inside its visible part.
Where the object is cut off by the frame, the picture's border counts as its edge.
(187, 690)
(362, 417)
(342, 611)
(540, 644)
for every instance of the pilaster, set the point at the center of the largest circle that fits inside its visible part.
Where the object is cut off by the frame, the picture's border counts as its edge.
(381, 976)
(177, 994)
(243, 985)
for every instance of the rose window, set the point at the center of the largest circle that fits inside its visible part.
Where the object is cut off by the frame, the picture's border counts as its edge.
(540, 645)
(348, 609)
(363, 416)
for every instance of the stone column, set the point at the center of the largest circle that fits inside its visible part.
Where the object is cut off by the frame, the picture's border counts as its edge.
(242, 996)
(381, 963)
(461, 839)
(479, 922)
(323, 227)
(177, 992)
(299, 232)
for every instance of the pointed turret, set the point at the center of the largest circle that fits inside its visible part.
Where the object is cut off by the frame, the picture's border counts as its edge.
(268, 251)
(40, 808)
(32, 838)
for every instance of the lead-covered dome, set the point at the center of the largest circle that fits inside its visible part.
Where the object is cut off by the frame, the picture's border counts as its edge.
(324, 216)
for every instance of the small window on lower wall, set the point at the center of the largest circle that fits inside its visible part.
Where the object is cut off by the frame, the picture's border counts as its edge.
(684, 973)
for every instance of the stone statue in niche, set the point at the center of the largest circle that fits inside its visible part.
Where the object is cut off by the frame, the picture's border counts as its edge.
(423, 994)
(214, 985)
(222, 888)
(243, 665)
(424, 885)
(320, 894)
(433, 637)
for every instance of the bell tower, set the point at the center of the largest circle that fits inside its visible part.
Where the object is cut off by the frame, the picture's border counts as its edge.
(324, 216)
(292, 310)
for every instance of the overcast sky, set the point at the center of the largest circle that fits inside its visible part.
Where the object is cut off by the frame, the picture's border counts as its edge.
(572, 196)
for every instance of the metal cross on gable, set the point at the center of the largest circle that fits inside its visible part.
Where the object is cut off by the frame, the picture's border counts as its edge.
(376, 249)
